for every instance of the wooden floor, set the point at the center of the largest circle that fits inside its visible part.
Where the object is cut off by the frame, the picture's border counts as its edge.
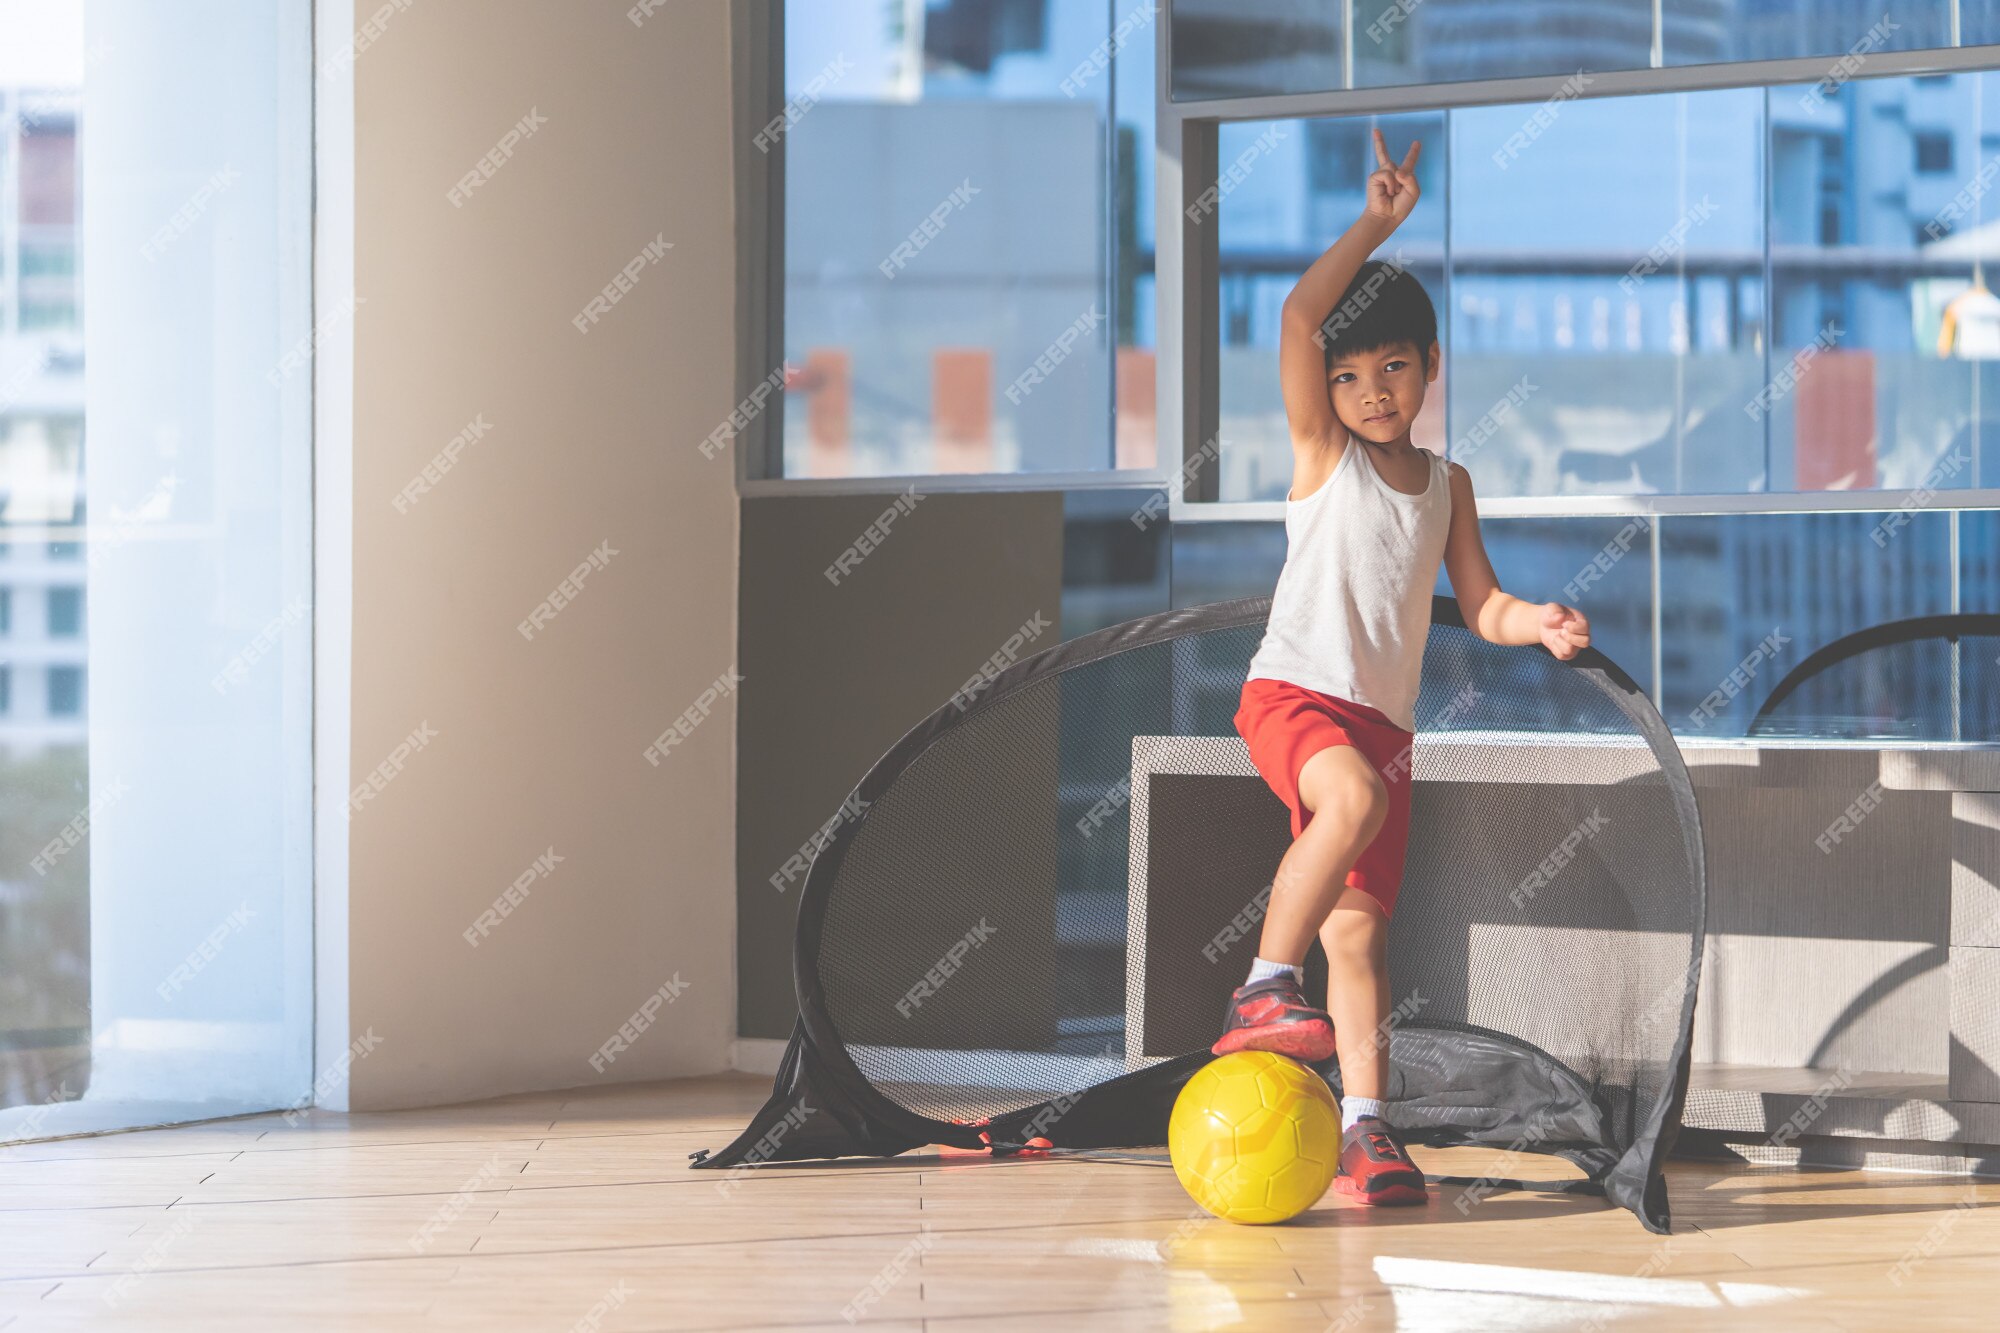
(577, 1211)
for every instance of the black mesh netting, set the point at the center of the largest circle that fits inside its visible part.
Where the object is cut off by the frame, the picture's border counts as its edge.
(1039, 911)
(1932, 678)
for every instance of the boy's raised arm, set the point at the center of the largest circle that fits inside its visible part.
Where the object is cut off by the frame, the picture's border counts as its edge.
(1392, 193)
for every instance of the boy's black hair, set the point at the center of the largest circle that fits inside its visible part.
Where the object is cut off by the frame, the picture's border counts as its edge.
(1384, 304)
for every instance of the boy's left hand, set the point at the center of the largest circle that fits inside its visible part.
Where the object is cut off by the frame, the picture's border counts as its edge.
(1565, 630)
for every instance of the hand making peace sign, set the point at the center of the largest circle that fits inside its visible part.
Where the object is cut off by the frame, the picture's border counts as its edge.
(1392, 189)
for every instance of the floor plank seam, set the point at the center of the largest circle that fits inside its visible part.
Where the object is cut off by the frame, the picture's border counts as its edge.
(433, 1143)
(288, 1198)
(348, 1147)
(533, 1253)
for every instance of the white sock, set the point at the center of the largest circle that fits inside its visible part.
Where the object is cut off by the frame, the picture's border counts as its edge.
(1263, 969)
(1353, 1108)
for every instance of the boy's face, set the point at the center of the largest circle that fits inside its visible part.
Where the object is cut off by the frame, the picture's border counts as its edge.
(1377, 394)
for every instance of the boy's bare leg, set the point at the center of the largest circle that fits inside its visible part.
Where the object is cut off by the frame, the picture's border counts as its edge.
(1348, 804)
(1356, 937)
(1374, 1166)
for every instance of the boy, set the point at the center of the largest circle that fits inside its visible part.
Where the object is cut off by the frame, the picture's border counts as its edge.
(1327, 709)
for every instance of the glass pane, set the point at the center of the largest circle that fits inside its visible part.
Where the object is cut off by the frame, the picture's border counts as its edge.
(1602, 566)
(1978, 22)
(1979, 590)
(65, 617)
(1135, 97)
(1879, 319)
(1452, 41)
(949, 302)
(1114, 559)
(1912, 687)
(1218, 562)
(155, 654)
(1700, 32)
(1747, 597)
(1609, 347)
(1225, 48)
(1979, 560)
(1292, 188)
(1965, 226)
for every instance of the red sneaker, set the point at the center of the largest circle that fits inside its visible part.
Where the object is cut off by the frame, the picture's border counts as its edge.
(1272, 1015)
(1375, 1169)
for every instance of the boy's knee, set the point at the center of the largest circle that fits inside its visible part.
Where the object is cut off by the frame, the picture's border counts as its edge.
(1364, 794)
(1355, 790)
(1352, 936)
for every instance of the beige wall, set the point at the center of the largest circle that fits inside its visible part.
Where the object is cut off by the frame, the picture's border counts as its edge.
(465, 313)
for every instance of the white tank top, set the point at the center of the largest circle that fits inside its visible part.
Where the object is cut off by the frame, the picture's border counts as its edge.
(1353, 606)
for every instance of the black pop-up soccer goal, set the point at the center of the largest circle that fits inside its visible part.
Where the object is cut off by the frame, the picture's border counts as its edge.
(1928, 678)
(1027, 933)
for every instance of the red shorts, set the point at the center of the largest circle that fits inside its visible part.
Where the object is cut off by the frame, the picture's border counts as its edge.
(1284, 725)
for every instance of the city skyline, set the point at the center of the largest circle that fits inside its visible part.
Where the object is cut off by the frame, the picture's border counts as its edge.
(42, 555)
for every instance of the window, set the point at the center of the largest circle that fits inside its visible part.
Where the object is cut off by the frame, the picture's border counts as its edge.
(1623, 372)
(1652, 343)
(1293, 46)
(65, 691)
(1979, 560)
(1602, 565)
(967, 239)
(1796, 583)
(1462, 40)
(1224, 48)
(48, 259)
(65, 613)
(42, 315)
(1295, 187)
(47, 216)
(1979, 21)
(1777, 297)
(117, 117)
(1933, 152)
(1701, 32)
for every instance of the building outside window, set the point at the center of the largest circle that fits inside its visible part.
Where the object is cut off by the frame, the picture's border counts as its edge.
(65, 613)
(65, 691)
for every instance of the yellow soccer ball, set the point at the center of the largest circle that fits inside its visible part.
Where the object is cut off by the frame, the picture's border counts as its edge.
(1255, 1137)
